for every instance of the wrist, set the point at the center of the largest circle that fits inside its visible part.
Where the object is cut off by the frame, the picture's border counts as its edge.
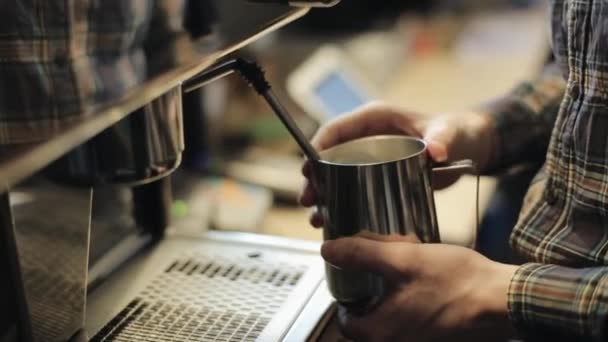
(491, 299)
(497, 288)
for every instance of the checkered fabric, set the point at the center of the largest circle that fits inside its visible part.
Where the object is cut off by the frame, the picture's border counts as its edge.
(562, 295)
(61, 58)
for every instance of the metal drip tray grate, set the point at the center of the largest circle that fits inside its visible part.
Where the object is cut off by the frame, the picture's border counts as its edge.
(206, 298)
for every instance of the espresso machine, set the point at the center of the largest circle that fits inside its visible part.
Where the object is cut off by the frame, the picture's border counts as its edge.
(85, 209)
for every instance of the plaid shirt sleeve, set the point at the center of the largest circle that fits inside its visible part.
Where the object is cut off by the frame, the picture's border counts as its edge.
(524, 119)
(554, 303)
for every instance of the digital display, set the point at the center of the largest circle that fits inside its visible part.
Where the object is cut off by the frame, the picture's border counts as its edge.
(338, 96)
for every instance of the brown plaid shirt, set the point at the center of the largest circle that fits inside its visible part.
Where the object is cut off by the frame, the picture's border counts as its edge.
(562, 294)
(58, 59)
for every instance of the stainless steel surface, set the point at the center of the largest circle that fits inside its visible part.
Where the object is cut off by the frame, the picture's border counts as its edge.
(116, 257)
(52, 243)
(312, 321)
(466, 164)
(17, 162)
(303, 3)
(15, 324)
(240, 281)
(141, 148)
(276, 242)
(380, 185)
(52, 231)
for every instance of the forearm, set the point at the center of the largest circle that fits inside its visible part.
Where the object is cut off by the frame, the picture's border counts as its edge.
(521, 123)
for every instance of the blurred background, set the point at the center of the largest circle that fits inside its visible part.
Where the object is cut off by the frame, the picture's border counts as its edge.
(429, 56)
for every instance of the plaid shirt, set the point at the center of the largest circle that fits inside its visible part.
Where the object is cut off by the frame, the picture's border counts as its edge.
(59, 59)
(562, 295)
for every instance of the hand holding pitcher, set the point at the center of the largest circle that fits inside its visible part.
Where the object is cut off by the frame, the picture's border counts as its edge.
(449, 138)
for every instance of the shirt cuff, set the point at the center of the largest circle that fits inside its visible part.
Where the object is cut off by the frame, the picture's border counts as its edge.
(553, 303)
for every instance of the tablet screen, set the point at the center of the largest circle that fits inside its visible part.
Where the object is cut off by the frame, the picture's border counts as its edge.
(338, 94)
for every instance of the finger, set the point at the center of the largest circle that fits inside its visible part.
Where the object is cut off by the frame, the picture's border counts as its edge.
(365, 326)
(359, 254)
(438, 151)
(380, 324)
(308, 194)
(308, 198)
(353, 327)
(316, 219)
(365, 122)
(307, 169)
(370, 120)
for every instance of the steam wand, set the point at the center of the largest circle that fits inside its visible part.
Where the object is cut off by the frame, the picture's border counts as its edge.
(254, 75)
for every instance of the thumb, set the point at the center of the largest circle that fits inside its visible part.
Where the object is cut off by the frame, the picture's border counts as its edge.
(360, 254)
(438, 136)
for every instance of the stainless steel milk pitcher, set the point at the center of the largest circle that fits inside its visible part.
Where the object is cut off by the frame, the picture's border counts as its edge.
(379, 184)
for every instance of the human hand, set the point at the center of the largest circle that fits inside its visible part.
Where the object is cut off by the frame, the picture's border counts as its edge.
(449, 138)
(435, 292)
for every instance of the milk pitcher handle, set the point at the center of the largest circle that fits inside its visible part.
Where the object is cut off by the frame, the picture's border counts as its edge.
(464, 165)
